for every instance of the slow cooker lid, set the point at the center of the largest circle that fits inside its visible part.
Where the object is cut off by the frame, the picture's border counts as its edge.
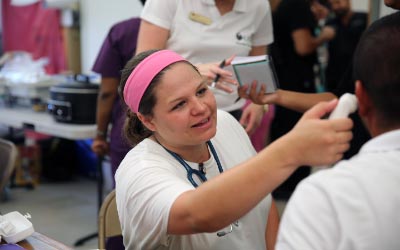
(69, 90)
(78, 83)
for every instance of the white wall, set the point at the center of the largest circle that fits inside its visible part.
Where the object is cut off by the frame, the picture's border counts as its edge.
(360, 5)
(384, 10)
(97, 16)
(363, 5)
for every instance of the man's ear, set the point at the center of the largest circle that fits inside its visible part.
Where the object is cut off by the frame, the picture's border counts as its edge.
(147, 121)
(364, 102)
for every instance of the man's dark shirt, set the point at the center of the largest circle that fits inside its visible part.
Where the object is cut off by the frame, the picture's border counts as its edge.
(294, 72)
(341, 48)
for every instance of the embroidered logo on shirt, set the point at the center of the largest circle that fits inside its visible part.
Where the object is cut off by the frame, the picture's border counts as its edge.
(243, 39)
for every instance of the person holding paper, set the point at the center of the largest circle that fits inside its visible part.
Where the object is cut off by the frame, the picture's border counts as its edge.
(294, 55)
(301, 102)
(207, 32)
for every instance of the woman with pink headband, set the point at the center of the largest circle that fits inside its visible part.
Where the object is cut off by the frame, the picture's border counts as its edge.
(194, 181)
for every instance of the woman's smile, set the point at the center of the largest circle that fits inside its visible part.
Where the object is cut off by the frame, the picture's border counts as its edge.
(204, 123)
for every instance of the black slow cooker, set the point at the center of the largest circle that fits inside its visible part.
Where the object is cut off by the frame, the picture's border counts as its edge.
(74, 101)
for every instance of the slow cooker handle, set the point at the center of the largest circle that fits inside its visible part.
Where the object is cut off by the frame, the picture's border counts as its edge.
(82, 78)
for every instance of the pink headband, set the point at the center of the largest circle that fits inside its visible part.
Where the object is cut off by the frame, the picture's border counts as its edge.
(143, 74)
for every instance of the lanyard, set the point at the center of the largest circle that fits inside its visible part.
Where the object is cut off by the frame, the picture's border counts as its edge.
(190, 171)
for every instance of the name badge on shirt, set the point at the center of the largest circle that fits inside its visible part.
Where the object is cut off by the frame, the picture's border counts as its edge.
(199, 18)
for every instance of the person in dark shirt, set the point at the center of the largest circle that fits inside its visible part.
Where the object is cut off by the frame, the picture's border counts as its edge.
(294, 48)
(294, 55)
(301, 102)
(118, 47)
(348, 26)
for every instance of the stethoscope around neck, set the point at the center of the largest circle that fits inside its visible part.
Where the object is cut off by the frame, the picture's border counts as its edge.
(190, 171)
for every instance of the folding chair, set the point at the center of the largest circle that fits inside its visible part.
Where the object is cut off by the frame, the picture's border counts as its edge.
(109, 225)
(8, 156)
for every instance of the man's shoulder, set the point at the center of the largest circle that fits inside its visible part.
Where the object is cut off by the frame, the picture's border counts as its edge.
(353, 173)
(338, 176)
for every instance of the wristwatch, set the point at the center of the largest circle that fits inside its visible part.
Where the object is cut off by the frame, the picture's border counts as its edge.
(100, 133)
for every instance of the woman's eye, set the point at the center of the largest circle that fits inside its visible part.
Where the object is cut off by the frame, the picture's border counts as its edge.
(180, 104)
(202, 91)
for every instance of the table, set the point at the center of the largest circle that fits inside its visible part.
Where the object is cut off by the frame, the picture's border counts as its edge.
(42, 122)
(38, 241)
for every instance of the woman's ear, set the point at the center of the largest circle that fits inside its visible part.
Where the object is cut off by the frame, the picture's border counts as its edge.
(147, 121)
(364, 102)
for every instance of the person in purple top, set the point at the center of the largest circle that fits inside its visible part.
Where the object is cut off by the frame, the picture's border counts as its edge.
(118, 47)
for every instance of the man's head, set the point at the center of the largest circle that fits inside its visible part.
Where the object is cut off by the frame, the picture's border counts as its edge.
(395, 4)
(376, 71)
(319, 8)
(340, 7)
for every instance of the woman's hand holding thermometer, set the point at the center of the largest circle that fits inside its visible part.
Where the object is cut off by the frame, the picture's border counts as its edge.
(347, 104)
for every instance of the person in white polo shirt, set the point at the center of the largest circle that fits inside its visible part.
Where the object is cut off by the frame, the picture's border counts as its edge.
(206, 32)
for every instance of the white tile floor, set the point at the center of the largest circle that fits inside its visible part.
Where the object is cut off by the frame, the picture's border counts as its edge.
(65, 211)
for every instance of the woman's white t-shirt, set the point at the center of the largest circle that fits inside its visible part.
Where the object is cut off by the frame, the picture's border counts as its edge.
(149, 180)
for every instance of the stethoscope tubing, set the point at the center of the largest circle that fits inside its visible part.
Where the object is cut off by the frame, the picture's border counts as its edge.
(190, 171)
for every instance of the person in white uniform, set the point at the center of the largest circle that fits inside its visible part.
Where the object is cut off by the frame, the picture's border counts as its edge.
(194, 180)
(355, 204)
(206, 32)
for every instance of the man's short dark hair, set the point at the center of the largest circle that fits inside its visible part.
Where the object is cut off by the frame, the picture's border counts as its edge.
(377, 64)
